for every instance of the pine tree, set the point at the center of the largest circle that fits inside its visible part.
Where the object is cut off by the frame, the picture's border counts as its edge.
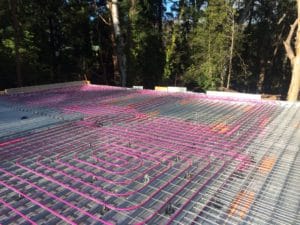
(177, 48)
(210, 44)
(144, 42)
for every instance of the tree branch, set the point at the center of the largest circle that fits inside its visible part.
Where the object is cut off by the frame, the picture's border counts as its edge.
(102, 18)
(287, 43)
(281, 19)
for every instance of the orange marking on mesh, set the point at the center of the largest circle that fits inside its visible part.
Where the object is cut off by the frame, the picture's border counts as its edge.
(130, 106)
(221, 128)
(224, 129)
(248, 108)
(267, 164)
(241, 204)
(184, 102)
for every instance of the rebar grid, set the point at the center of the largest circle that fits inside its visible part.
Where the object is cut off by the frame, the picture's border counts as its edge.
(104, 155)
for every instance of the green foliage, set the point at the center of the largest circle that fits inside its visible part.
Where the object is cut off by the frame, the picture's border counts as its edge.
(263, 66)
(145, 47)
(9, 43)
(210, 44)
(177, 47)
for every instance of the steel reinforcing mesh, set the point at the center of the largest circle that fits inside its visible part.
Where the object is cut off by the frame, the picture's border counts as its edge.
(103, 155)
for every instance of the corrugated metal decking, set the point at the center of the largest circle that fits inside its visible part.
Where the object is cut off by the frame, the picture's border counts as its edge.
(103, 155)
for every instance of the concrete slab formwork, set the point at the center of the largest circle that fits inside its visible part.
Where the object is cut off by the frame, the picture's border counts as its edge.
(89, 154)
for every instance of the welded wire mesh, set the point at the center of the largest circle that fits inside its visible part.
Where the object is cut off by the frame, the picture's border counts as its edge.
(104, 155)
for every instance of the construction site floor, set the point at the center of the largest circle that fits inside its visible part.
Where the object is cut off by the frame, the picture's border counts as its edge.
(90, 154)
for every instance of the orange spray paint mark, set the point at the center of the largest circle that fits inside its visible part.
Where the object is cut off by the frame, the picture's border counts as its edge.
(248, 108)
(221, 128)
(267, 164)
(185, 102)
(241, 204)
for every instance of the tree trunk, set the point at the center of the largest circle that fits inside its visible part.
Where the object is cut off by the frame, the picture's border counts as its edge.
(295, 81)
(160, 15)
(261, 76)
(294, 57)
(231, 53)
(209, 56)
(52, 48)
(16, 26)
(121, 58)
(115, 58)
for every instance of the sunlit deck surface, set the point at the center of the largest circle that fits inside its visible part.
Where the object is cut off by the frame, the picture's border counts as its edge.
(89, 154)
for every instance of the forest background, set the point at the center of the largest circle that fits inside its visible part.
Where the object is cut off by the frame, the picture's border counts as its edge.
(203, 45)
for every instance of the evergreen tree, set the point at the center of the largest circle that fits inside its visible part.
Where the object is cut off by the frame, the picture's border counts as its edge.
(210, 44)
(144, 44)
(177, 48)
